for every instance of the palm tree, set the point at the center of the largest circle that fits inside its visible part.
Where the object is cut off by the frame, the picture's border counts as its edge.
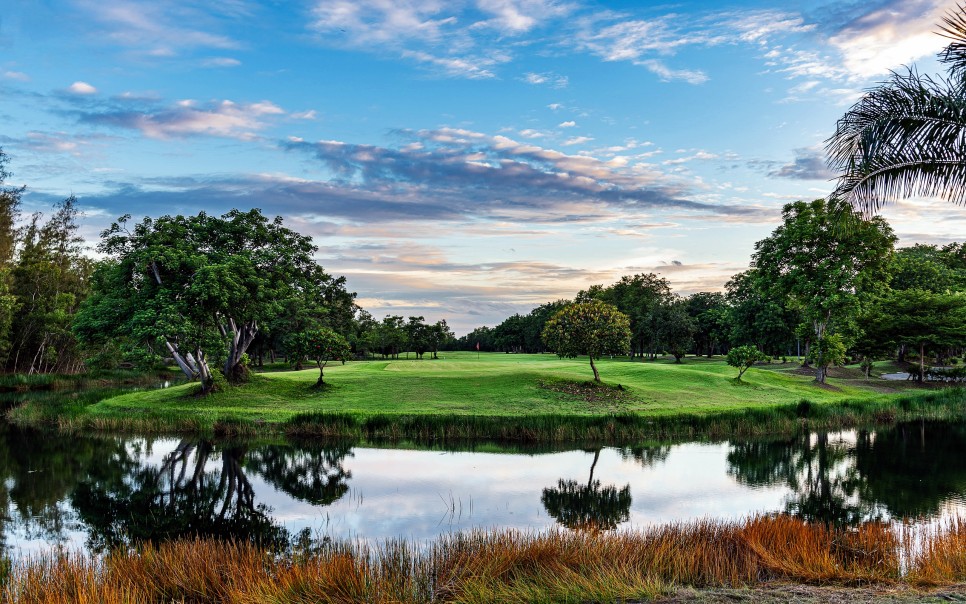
(908, 136)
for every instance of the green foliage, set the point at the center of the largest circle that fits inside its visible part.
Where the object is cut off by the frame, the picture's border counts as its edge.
(743, 357)
(324, 345)
(906, 138)
(830, 350)
(677, 329)
(588, 328)
(824, 262)
(201, 287)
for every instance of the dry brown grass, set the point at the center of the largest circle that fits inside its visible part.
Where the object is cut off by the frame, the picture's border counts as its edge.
(505, 566)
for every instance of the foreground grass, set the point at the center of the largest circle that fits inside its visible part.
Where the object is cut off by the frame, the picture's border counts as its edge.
(506, 566)
(515, 397)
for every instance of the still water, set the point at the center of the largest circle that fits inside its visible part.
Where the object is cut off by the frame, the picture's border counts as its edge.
(93, 492)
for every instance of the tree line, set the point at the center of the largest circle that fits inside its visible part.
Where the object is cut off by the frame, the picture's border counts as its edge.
(826, 286)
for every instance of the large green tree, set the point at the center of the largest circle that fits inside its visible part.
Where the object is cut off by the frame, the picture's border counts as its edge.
(200, 287)
(908, 136)
(589, 328)
(823, 261)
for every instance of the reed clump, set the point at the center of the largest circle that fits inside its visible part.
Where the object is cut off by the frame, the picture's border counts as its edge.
(503, 566)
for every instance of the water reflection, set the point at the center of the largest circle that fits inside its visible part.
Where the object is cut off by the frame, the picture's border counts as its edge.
(911, 471)
(103, 492)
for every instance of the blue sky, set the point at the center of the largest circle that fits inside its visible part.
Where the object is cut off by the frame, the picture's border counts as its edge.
(461, 160)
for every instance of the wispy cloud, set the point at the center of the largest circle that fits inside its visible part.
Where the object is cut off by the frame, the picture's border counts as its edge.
(160, 30)
(220, 62)
(16, 75)
(549, 79)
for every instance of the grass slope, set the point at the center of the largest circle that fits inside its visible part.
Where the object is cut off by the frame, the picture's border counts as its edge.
(494, 385)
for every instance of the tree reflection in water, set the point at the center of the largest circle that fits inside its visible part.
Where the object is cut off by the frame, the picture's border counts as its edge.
(911, 470)
(593, 507)
(201, 489)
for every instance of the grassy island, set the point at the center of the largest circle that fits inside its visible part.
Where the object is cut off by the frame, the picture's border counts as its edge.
(515, 397)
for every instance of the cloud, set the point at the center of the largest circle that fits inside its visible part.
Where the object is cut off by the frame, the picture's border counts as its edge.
(220, 62)
(186, 118)
(54, 142)
(552, 79)
(809, 164)
(667, 74)
(502, 178)
(453, 39)
(16, 75)
(81, 88)
(890, 34)
(474, 68)
(577, 140)
(161, 30)
(567, 124)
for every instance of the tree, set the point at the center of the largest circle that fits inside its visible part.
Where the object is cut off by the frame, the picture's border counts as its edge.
(919, 318)
(677, 329)
(743, 357)
(908, 136)
(755, 315)
(200, 287)
(417, 336)
(829, 350)
(824, 261)
(709, 311)
(438, 335)
(642, 298)
(325, 345)
(588, 328)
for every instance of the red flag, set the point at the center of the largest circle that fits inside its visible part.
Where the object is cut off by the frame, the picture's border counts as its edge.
(477, 346)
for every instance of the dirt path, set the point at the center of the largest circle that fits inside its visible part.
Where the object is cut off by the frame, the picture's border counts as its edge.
(807, 594)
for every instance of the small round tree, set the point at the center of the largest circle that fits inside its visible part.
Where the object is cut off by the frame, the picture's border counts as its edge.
(588, 328)
(744, 357)
(325, 345)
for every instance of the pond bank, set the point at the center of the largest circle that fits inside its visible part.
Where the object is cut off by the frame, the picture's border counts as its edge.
(516, 398)
(509, 566)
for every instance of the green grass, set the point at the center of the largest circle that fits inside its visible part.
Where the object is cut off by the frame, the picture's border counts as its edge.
(518, 397)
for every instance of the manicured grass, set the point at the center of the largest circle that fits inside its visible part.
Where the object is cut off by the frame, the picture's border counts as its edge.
(520, 397)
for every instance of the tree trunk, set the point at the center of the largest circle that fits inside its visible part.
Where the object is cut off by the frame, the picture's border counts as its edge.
(922, 365)
(590, 481)
(241, 338)
(321, 381)
(594, 367)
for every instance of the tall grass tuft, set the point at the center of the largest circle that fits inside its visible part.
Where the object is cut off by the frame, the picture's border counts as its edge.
(504, 566)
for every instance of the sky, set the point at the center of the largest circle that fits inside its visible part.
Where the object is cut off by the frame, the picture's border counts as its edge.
(461, 160)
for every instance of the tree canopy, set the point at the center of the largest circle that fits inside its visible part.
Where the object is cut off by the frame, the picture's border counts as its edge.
(589, 328)
(200, 287)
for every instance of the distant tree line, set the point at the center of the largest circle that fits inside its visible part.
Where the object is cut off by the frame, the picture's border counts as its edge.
(826, 286)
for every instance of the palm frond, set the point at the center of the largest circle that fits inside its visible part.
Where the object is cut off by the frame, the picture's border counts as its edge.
(954, 28)
(905, 138)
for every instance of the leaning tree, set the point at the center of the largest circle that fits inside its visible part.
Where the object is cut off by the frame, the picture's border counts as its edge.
(198, 288)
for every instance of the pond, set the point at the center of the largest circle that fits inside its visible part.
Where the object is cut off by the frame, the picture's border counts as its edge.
(97, 491)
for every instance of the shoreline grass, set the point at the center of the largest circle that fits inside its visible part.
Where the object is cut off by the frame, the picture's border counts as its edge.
(505, 566)
(515, 398)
